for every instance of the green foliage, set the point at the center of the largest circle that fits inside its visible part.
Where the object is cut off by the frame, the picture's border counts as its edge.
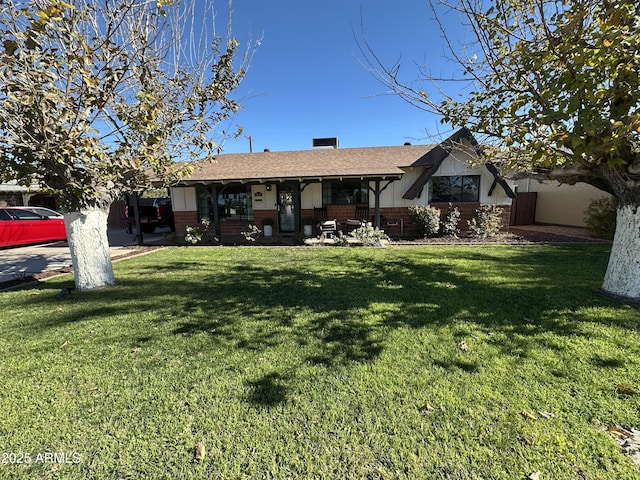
(199, 234)
(367, 234)
(450, 226)
(554, 86)
(340, 239)
(96, 100)
(486, 221)
(324, 363)
(252, 233)
(560, 86)
(601, 217)
(427, 220)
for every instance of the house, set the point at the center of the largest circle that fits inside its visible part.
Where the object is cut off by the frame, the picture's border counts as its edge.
(233, 190)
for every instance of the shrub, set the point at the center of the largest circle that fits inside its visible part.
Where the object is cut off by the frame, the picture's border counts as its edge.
(339, 239)
(486, 221)
(200, 234)
(450, 225)
(252, 233)
(601, 217)
(368, 234)
(427, 220)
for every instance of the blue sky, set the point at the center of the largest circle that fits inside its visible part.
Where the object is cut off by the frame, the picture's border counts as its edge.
(305, 80)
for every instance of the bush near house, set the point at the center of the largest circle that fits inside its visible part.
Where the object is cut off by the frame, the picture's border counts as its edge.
(426, 219)
(486, 221)
(451, 224)
(601, 218)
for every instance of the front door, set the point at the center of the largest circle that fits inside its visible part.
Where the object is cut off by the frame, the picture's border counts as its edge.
(286, 208)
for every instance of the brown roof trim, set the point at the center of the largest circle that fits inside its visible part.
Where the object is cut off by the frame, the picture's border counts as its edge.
(497, 178)
(415, 190)
(433, 159)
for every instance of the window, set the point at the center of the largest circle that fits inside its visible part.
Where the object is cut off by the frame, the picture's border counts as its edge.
(340, 193)
(233, 202)
(457, 188)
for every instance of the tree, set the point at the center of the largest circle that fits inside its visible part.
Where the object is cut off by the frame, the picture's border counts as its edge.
(100, 98)
(553, 88)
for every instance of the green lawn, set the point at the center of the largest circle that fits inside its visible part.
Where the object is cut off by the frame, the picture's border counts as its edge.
(324, 363)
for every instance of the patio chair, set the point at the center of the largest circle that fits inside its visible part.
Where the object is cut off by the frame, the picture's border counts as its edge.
(360, 218)
(323, 223)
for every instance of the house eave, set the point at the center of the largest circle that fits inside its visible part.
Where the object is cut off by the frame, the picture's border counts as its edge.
(300, 179)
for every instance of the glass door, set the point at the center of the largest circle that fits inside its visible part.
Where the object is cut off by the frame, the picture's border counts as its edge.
(286, 208)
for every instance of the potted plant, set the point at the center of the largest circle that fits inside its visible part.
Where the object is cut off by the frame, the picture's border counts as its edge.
(267, 226)
(307, 225)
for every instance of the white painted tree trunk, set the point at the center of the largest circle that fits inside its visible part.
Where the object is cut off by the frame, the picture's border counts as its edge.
(89, 245)
(623, 273)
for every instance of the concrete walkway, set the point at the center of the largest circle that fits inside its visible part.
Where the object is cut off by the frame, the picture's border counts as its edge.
(21, 262)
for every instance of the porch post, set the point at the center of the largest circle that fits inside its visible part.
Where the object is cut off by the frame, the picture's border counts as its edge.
(376, 194)
(297, 202)
(216, 213)
(136, 218)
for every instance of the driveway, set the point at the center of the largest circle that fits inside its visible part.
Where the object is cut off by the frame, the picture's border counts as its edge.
(20, 262)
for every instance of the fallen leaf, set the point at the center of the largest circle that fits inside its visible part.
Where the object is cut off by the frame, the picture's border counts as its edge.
(528, 414)
(428, 408)
(535, 475)
(463, 346)
(201, 451)
(624, 389)
(617, 430)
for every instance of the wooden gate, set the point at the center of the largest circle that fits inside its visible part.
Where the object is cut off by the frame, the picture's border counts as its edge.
(523, 209)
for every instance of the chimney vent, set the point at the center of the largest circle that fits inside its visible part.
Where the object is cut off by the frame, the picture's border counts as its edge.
(331, 142)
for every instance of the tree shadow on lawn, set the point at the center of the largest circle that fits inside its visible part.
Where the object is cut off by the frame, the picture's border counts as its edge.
(343, 311)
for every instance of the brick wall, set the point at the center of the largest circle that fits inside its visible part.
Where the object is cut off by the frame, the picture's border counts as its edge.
(184, 220)
(395, 221)
(466, 213)
(260, 215)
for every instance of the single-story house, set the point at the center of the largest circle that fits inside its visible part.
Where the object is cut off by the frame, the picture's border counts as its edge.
(290, 187)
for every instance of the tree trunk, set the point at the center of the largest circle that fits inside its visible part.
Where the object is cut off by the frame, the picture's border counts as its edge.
(89, 245)
(623, 273)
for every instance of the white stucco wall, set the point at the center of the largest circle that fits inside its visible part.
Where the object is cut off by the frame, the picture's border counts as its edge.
(561, 204)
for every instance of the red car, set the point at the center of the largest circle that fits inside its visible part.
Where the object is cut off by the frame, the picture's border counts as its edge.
(21, 226)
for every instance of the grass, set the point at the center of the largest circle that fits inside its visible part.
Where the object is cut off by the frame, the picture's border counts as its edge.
(324, 363)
